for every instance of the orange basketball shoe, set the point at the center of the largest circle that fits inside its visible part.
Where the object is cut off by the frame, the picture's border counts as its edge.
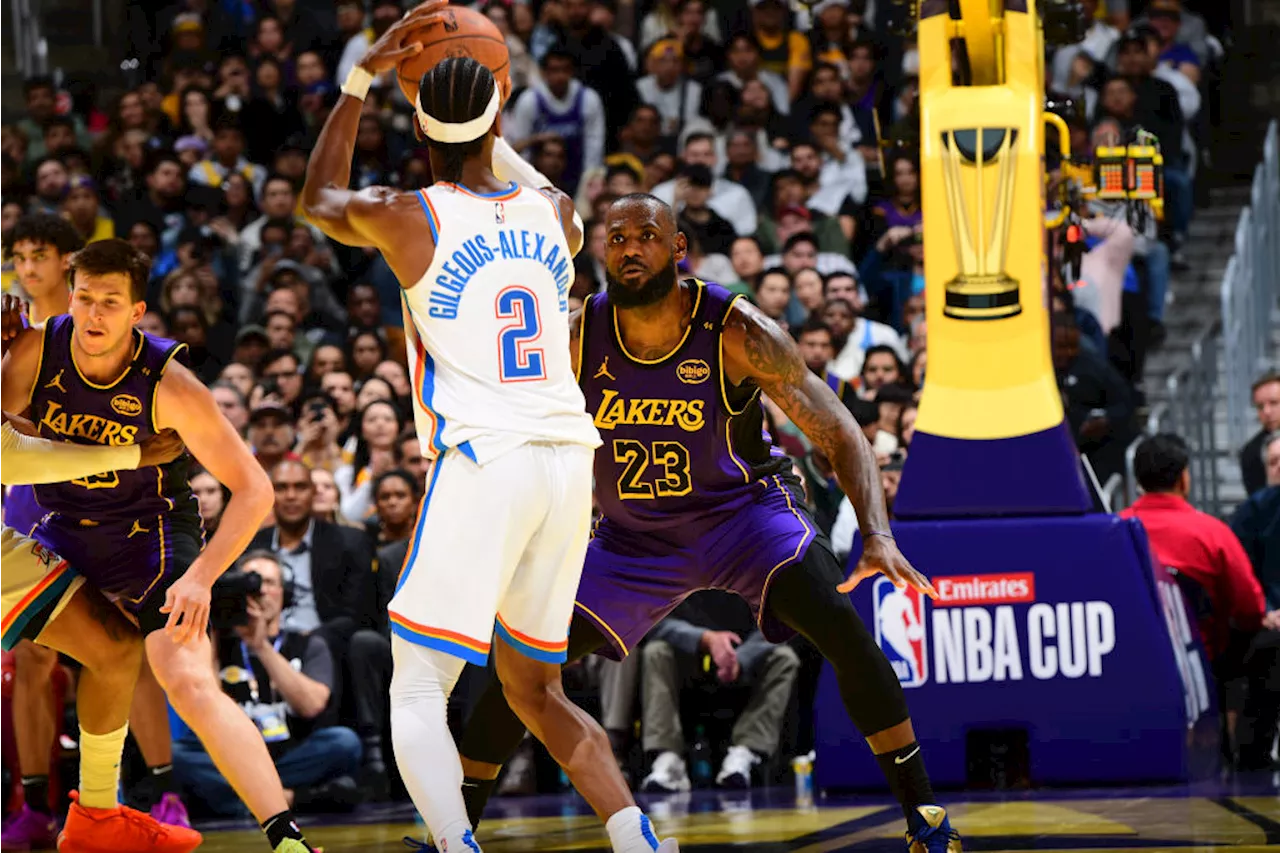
(121, 828)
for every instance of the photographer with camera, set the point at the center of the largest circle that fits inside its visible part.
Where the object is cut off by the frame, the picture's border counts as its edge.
(284, 680)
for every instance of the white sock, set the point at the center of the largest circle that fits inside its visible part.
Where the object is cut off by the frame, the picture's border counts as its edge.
(100, 767)
(630, 831)
(425, 752)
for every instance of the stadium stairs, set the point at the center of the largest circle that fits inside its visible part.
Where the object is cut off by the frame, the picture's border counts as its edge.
(1250, 97)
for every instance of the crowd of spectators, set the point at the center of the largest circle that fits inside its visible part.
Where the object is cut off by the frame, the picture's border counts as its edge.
(786, 139)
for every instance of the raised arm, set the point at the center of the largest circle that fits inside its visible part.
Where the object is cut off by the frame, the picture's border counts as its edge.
(510, 166)
(353, 217)
(756, 349)
(185, 405)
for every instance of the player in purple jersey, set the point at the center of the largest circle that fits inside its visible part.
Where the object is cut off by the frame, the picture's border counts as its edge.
(693, 497)
(41, 246)
(93, 378)
(44, 600)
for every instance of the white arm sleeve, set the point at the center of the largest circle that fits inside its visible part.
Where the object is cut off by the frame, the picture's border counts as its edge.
(510, 166)
(29, 460)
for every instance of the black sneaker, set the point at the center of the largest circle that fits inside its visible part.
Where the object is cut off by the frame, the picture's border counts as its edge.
(340, 794)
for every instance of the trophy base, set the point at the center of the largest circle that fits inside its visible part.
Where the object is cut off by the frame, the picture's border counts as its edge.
(982, 297)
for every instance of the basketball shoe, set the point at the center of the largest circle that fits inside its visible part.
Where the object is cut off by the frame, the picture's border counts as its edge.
(171, 810)
(121, 828)
(929, 831)
(28, 829)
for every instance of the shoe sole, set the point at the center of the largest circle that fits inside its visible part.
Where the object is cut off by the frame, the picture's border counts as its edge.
(61, 840)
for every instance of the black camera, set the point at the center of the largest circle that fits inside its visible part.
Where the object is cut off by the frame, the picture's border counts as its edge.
(230, 598)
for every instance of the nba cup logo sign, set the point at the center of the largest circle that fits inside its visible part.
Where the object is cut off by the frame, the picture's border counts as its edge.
(978, 169)
(900, 630)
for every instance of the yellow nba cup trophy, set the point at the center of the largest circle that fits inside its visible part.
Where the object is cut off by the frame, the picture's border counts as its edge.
(993, 504)
(990, 437)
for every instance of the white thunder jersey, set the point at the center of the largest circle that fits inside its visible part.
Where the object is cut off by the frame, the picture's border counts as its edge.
(488, 344)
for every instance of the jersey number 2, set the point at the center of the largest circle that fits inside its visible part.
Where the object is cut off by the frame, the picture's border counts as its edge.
(517, 360)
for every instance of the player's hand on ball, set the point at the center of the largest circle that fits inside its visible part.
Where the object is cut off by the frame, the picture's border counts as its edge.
(160, 448)
(187, 603)
(14, 308)
(390, 50)
(880, 556)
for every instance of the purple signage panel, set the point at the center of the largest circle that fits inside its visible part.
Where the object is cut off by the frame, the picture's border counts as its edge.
(1057, 627)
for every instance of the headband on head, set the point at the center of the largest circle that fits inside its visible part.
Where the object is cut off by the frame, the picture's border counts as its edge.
(463, 131)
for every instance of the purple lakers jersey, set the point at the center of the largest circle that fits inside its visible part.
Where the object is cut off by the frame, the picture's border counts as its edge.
(682, 447)
(65, 406)
(895, 216)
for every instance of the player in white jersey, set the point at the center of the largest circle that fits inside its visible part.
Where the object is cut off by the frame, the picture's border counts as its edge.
(497, 552)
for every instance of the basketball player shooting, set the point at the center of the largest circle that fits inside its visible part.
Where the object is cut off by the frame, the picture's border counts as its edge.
(92, 378)
(694, 497)
(485, 266)
(48, 602)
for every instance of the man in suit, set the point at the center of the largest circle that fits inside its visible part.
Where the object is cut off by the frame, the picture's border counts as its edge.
(1266, 400)
(331, 566)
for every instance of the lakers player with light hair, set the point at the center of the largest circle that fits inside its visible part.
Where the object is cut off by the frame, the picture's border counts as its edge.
(47, 602)
(485, 266)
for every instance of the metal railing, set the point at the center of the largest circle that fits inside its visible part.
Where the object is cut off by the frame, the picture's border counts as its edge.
(1189, 413)
(1251, 289)
(30, 50)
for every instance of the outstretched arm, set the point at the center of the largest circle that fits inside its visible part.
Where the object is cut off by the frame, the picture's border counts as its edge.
(756, 349)
(346, 216)
(185, 405)
(29, 460)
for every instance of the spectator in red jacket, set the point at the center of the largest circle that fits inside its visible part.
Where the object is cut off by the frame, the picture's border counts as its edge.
(1241, 638)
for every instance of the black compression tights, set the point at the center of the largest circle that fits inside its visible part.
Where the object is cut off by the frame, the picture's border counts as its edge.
(802, 596)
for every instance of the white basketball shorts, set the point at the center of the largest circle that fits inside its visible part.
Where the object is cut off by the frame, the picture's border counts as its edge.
(497, 547)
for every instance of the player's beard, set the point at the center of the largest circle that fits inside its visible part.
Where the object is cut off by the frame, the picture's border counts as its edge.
(649, 292)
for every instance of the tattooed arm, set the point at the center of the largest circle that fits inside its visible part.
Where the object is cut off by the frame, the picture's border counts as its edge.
(756, 349)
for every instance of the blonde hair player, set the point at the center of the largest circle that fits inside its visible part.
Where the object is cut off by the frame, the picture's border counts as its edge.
(503, 528)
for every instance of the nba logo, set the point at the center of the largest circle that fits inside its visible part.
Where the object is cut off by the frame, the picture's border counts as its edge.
(900, 623)
(499, 212)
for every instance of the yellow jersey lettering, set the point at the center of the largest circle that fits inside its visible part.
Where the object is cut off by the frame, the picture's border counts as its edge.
(92, 427)
(692, 420)
(614, 411)
(636, 413)
(105, 480)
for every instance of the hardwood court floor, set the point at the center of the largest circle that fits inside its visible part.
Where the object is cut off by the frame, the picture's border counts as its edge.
(1232, 816)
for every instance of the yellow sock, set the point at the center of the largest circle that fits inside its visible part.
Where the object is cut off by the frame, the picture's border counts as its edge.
(100, 768)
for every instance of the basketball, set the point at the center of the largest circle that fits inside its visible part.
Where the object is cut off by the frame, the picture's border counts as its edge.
(464, 32)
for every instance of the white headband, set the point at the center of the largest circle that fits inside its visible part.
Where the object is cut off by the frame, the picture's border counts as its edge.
(465, 131)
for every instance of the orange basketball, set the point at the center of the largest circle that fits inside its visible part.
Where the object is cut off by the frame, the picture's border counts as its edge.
(464, 32)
